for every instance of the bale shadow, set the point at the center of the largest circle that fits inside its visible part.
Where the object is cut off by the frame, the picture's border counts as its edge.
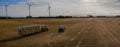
(17, 38)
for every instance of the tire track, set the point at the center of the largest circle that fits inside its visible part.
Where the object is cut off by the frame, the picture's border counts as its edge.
(88, 39)
(81, 34)
(76, 26)
(109, 36)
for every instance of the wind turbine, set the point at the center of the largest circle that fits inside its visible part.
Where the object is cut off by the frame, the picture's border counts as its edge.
(49, 8)
(1, 4)
(6, 8)
(29, 7)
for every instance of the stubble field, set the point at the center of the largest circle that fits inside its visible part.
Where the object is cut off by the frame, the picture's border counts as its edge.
(80, 32)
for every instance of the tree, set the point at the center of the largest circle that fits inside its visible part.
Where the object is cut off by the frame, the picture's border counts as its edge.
(28, 16)
(90, 15)
(117, 15)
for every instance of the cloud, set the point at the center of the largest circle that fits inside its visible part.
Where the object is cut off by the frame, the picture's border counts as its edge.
(65, 7)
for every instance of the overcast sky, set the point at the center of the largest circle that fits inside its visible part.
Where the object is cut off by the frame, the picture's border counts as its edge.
(61, 7)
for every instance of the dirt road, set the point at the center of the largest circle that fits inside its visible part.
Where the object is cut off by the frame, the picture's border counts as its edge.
(91, 32)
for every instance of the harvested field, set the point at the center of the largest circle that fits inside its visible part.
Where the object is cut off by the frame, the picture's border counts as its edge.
(80, 32)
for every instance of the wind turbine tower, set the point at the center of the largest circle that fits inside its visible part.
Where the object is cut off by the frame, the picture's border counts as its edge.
(29, 7)
(49, 9)
(6, 8)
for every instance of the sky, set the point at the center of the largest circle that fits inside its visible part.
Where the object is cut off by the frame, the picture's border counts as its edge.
(19, 8)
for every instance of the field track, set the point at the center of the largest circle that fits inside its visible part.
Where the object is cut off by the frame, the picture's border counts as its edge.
(91, 32)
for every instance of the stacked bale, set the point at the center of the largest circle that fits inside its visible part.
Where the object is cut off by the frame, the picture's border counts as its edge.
(61, 28)
(20, 30)
(44, 28)
(32, 29)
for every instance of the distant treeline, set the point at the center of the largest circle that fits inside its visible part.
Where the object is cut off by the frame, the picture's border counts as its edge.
(118, 16)
(35, 17)
(88, 16)
(57, 17)
(5, 17)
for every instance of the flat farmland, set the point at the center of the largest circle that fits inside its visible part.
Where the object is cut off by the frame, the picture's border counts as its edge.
(80, 32)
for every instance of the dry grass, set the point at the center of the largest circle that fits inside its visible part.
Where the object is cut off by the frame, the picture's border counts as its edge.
(96, 36)
(8, 27)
